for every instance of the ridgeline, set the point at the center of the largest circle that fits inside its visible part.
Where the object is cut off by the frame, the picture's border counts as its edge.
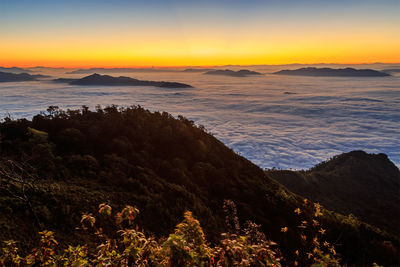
(365, 185)
(75, 159)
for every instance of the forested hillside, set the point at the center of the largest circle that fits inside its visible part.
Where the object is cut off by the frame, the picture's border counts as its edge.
(365, 185)
(67, 162)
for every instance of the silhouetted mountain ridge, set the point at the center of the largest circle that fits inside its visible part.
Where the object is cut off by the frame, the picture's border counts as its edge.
(116, 70)
(366, 185)
(232, 73)
(97, 79)
(197, 70)
(329, 72)
(14, 70)
(16, 77)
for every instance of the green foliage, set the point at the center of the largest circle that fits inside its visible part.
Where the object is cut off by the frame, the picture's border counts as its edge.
(9, 254)
(75, 256)
(352, 220)
(38, 136)
(45, 254)
(162, 165)
(358, 183)
(187, 246)
(315, 249)
(238, 251)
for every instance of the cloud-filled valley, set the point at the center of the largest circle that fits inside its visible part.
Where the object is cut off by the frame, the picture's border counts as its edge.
(275, 121)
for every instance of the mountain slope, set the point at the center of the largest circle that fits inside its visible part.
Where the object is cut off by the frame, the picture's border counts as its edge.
(366, 185)
(160, 164)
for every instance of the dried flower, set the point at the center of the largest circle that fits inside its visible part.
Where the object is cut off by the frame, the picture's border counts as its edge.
(298, 211)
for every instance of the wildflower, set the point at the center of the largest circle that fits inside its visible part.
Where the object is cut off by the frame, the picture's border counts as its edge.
(104, 209)
(321, 231)
(284, 229)
(317, 207)
(298, 211)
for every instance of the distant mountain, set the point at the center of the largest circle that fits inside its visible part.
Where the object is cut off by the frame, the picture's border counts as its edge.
(13, 70)
(40, 76)
(115, 70)
(39, 68)
(366, 185)
(329, 72)
(97, 79)
(197, 70)
(227, 72)
(14, 77)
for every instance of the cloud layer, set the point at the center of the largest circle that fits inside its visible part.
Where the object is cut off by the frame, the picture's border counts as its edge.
(274, 121)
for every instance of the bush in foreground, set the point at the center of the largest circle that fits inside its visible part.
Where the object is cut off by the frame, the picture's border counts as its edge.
(126, 245)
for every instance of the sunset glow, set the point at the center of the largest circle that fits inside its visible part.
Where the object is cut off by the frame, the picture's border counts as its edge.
(177, 33)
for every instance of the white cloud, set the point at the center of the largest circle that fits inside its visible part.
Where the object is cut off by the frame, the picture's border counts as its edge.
(321, 118)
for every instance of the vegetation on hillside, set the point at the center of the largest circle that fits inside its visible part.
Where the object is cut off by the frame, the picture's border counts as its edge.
(365, 185)
(63, 163)
(187, 246)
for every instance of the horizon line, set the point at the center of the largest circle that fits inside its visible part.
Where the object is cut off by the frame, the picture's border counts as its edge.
(186, 66)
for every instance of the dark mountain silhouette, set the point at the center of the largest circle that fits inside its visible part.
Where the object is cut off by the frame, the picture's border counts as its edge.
(16, 77)
(197, 70)
(347, 72)
(227, 72)
(366, 185)
(162, 165)
(97, 79)
(40, 76)
(115, 70)
(14, 70)
(43, 68)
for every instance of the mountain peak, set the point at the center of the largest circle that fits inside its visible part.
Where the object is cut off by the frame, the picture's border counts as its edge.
(107, 80)
(366, 185)
(330, 72)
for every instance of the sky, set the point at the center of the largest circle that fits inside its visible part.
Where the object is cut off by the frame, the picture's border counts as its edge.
(128, 33)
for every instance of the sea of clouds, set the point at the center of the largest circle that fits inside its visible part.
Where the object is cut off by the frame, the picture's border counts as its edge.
(274, 121)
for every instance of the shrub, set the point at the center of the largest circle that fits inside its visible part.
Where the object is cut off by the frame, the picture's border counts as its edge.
(187, 246)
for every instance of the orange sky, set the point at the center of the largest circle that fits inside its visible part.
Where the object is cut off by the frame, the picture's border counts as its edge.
(77, 52)
(60, 35)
